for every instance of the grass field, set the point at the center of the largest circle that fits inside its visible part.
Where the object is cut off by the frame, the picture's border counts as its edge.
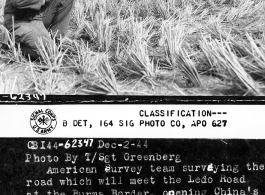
(149, 47)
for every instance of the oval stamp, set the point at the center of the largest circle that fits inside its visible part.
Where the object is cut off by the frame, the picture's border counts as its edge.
(43, 121)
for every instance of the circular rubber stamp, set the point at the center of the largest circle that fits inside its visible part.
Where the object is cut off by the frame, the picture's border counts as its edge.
(43, 121)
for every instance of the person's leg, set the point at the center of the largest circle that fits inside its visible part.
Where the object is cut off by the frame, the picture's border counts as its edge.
(49, 12)
(28, 35)
(4, 37)
(57, 16)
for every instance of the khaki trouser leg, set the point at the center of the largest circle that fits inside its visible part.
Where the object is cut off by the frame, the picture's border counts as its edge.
(57, 16)
(4, 37)
(28, 35)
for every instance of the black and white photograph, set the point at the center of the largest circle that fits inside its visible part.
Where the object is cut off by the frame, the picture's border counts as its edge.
(132, 47)
(132, 97)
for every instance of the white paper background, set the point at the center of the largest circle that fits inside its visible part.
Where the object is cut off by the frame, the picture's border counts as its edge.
(243, 121)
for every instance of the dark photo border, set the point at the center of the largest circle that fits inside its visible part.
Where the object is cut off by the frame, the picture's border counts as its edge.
(83, 99)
